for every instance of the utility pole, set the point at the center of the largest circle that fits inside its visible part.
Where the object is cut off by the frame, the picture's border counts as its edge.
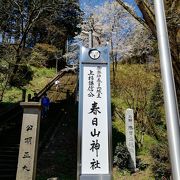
(56, 65)
(67, 49)
(90, 38)
(170, 99)
(91, 24)
(58, 57)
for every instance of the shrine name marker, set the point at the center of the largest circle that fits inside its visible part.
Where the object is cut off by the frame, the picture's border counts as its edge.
(94, 130)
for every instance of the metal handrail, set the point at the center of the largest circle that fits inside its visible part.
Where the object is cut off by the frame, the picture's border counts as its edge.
(39, 94)
(50, 84)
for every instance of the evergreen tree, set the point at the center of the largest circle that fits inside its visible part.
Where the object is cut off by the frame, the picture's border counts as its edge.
(156, 102)
(23, 23)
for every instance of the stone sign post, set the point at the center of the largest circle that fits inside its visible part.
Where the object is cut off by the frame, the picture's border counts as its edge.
(29, 141)
(94, 127)
(130, 139)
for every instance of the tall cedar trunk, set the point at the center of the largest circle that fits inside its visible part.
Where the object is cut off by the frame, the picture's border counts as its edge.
(148, 16)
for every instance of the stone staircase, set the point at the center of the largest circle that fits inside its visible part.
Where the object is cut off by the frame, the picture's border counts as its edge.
(59, 157)
(9, 150)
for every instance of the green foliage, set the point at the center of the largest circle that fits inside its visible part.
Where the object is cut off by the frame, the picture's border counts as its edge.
(43, 72)
(121, 157)
(69, 16)
(148, 142)
(12, 94)
(156, 102)
(45, 21)
(155, 113)
(160, 152)
(133, 85)
(161, 166)
(136, 86)
(161, 170)
(41, 76)
(141, 165)
(37, 58)
(32, 22)
(41, 54)
(23, 76)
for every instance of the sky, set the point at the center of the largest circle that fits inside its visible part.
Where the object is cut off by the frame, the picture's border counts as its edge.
(101, 2)
(93, 2)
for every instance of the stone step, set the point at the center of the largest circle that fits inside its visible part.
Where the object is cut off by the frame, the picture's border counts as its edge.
(10, 171)
(12, 161)
(9, 151)
(12, 147)
(7, 165)
(8, 156)
(7, 176)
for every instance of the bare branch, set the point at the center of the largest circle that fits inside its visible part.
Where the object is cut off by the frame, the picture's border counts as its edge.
(19, 8)
(130, 11)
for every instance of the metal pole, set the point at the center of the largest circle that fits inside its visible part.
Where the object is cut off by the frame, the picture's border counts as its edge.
(172, 114)
(67, 49)
(56, 65)
(90, 38)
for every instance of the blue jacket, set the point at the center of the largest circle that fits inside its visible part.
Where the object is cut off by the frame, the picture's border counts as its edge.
(45, 101)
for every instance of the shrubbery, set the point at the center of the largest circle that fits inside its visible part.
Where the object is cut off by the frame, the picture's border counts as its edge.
(121, 157)
(23, 76)
(156, 102)
(161, 167)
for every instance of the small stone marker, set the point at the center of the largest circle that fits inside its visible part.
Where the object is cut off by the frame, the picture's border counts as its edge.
(29, 141)
(130, 140)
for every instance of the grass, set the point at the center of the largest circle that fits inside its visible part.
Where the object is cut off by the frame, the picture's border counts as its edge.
(13, 94)
(41, 77)
(143, 154)
(148, 143)
(124, 75)
(119, 125)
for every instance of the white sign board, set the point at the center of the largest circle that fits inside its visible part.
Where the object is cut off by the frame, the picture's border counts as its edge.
(94, 127)
(130, 139)
(95, 121)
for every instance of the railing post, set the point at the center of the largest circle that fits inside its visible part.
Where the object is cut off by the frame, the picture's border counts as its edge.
(23, 95)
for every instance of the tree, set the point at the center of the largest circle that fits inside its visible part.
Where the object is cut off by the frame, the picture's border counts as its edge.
(112, 24)
(155, 113)
(24, 22)
(161, 166)
(156, 102)
(133, 86)
(148, 20)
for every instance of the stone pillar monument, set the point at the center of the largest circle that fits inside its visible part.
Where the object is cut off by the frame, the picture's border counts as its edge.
(130, 139)
(29, 141)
